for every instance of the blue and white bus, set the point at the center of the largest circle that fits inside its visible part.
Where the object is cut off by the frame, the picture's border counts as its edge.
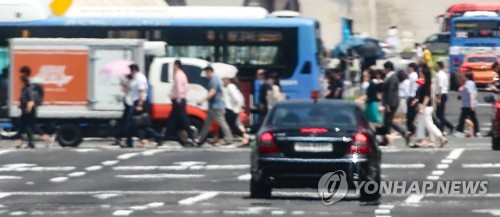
(290, 46)
(470, 35)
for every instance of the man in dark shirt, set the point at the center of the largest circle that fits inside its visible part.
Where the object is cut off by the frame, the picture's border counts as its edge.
(336, 87)
(28, 107)
(264, 88)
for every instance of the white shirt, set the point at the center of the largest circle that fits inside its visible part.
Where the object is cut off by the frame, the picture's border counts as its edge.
(442, 82)
(233, 99)
(413, 86)
(403, 89)
(139, 83)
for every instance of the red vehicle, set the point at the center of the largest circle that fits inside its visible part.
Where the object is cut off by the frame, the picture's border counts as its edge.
(481, 66)
(458, 10)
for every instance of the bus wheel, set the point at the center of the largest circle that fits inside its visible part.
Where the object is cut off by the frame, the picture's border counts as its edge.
(69, 135)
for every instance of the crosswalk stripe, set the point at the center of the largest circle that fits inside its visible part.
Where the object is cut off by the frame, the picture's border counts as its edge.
(198, 198)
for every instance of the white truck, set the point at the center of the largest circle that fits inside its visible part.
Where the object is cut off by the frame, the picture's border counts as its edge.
(80, 101)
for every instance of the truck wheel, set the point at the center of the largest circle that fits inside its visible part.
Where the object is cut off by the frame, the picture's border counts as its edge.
(259, 190)
(69, 135)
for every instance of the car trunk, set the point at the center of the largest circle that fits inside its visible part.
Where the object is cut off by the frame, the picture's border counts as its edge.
(296, 144)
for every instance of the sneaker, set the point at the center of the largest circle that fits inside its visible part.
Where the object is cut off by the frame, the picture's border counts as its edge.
(479, 135)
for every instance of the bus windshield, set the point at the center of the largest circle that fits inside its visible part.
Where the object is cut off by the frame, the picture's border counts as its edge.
(477, 29)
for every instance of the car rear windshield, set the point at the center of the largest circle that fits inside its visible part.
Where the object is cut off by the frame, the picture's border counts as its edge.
(314, 114)
(482, 59)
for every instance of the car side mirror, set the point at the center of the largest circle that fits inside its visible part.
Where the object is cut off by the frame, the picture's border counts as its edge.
(490, 99)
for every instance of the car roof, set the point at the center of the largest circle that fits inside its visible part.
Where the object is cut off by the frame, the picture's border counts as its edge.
(319, 102)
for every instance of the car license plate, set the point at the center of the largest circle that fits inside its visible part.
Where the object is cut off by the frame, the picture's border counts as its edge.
(313, 147)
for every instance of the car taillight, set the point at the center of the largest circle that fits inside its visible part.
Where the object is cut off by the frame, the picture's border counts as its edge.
(464, 68)
(313, 130)
(497, 105)
(360, 144)
(267, 144)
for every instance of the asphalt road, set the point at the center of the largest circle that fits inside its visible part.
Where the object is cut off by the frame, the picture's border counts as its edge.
(101, 180)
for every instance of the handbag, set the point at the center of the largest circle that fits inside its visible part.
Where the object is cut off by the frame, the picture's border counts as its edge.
(141, 120)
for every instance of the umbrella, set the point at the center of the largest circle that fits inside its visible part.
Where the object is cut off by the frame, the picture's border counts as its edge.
(368, 47)
(117, 68)
(340, 49)
(224, 70)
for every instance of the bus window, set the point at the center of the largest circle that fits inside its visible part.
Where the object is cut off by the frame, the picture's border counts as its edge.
(201, 52)
(477, 29)
(255, 55)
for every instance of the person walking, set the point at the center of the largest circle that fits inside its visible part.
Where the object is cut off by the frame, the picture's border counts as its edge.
(336, 85)
(264, 87)
(412, 102)
(216, 108)
(373, 96)
(468, 94)
(127, 105)
(138, 90)
(404, 94)
(390, 101)
(234, 102)
(274, 95)
(178, 118)
(27, 119)
(442, 84)
(424, 95)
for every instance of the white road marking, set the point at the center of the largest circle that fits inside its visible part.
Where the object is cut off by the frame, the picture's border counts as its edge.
(4, 195)
(127, 156)
(384, 206)
(94, 168)
(495, 212)
(4, 152)
(484, 104)
(36, 169)
(155, 204)
(382, 212)
(403, 166)
(493, 175)
(110, 162)
(85, 150)
(18, 213)
(198, 198)
(414, 198)
(59, 179)
(183, 167)
(437, 172)
(245, 177)
(77, 174)
(443, 166)
(160, 176)
(446, 161)
(122, 212)
(20, 165)
(433, 178)
(106, 196)
(152, 152)
(298, 212)
(278, 212)
(190, 163)
(10, 177)
(139, 207)
(486, 165)
(455, 154)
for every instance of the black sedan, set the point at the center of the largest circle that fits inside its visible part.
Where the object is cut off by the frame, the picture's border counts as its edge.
(301, 140)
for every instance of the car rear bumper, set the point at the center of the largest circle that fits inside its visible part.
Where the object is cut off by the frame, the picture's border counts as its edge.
(299, 172)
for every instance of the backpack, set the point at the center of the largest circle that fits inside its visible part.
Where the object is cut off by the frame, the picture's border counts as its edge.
(38, 93)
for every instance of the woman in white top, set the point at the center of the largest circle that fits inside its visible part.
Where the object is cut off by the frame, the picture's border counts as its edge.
(234, 101)
(404, 93)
